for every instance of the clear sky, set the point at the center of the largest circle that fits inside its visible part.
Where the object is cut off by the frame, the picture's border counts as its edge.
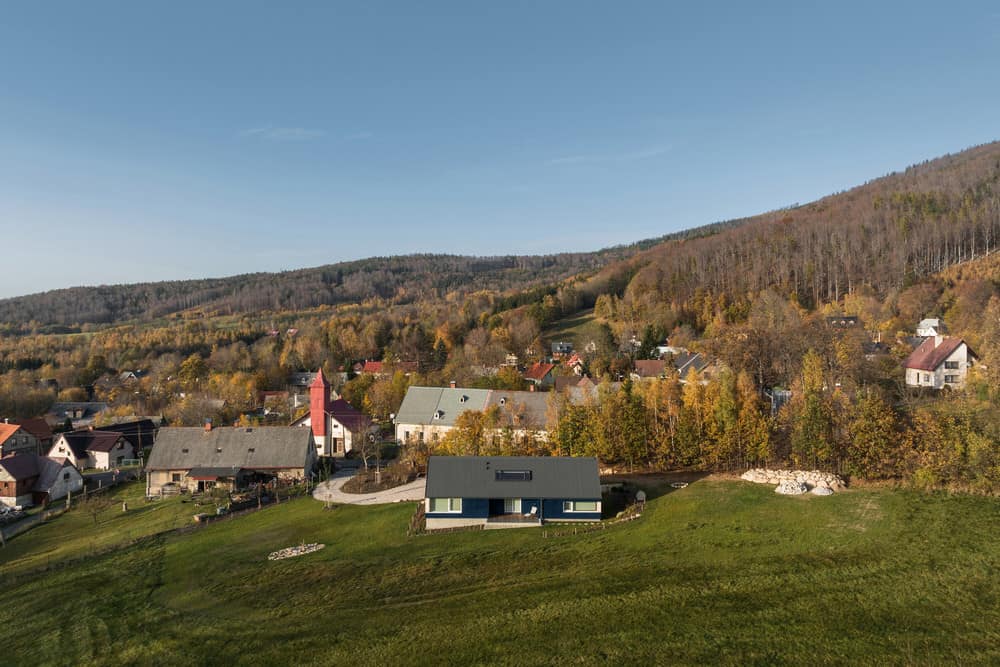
(147, 141)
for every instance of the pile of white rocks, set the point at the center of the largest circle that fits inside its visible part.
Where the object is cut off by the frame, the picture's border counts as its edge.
(794, 482)
(292, 552)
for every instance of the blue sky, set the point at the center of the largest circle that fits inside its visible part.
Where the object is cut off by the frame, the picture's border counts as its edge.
(151, 141)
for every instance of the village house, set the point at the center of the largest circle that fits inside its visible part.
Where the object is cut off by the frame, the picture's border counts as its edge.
(15, 439)
(337, 427)
(428, 413)
(940, 361)
(510, 491)
(930, 327)
(540, 375)
(39, 428)
(90, 448)
(81, 414)
(198, 459)
(561, 349)
(29, 479)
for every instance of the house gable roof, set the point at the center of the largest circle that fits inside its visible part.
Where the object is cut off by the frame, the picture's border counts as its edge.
(476, 477)
(20, 466)
(538, 371)
(930, 355)
(348, 416)
(650, 368)
(261, 447)
(7, 431)
(85, 440)
(36, 427)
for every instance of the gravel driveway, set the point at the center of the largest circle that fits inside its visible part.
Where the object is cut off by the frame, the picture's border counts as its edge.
(329, 491)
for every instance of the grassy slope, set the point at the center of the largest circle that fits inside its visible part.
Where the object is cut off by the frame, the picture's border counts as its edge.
(718, 572)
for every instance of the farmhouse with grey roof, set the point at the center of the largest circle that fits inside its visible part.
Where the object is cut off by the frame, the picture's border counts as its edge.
(197, 459)
(510, 491)
(428, 413)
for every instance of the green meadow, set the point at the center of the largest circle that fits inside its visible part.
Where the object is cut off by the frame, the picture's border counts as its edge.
(721, 572)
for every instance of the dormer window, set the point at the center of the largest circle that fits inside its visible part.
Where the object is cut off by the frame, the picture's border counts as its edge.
(438, 414)
(503, 400)
(461, 399)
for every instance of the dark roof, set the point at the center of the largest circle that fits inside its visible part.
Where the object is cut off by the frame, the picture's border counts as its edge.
(475, 477)
(207, 473)
(139, 433)
(930, 355)
(90, 408)
(21, 466)
(36, 427)
(260, 447)
(650, 368)
(567, 381)
(348, 416)
(86, 440)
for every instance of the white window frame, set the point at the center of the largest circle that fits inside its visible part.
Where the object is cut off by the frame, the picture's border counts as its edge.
(454, 506)
(569, 506)
(515, 502)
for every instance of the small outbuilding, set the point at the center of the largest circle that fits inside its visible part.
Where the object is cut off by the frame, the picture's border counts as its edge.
(510, 491)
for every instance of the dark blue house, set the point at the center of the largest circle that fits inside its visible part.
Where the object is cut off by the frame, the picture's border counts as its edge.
(510, 491)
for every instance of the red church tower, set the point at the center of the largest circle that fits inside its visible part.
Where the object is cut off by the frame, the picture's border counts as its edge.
(319, 408)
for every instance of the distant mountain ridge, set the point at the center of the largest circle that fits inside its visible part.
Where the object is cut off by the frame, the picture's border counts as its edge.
(884, 234)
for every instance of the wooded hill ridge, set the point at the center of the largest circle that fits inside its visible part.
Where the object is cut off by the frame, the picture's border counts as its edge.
(398, 279)
(885, 234)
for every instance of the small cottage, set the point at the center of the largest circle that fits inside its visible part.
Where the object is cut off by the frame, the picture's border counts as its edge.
(29, 479)
(89, 448)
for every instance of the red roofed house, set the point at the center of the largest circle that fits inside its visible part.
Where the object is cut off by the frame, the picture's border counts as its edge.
(540, 375)
(940, 361)
(15, 439)
(336, 425)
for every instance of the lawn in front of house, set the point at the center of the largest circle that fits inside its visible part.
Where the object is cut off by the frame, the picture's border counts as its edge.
(720, 572)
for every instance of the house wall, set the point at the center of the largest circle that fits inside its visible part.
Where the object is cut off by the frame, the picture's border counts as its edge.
(552, 510)
(429, 431)
(23, 500)
(108, 460)
(62, 450)
(63, 486)
(21, 442)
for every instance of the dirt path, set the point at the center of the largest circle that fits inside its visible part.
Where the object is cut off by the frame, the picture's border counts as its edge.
(329, 491)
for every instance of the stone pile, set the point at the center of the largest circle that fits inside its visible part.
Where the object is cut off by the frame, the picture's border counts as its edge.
(791, 488)
(789, 480)
(292, 552)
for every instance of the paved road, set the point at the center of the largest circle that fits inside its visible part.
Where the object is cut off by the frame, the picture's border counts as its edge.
(329, 491)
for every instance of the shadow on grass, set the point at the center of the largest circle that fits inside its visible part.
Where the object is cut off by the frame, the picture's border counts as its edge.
(655, 484)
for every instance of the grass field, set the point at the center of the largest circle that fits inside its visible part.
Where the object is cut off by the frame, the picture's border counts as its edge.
(579, 328)
(720, 572)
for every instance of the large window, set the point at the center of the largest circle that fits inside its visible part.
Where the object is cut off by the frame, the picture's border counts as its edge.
(951, 365)
(580, 506)
(951, 379)
(452, 505)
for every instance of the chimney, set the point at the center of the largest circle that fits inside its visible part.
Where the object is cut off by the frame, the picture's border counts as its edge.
(531, 387)
(452, 384)
(208, 425)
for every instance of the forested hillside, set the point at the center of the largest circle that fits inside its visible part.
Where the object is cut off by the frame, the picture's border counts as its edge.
(884, 235)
